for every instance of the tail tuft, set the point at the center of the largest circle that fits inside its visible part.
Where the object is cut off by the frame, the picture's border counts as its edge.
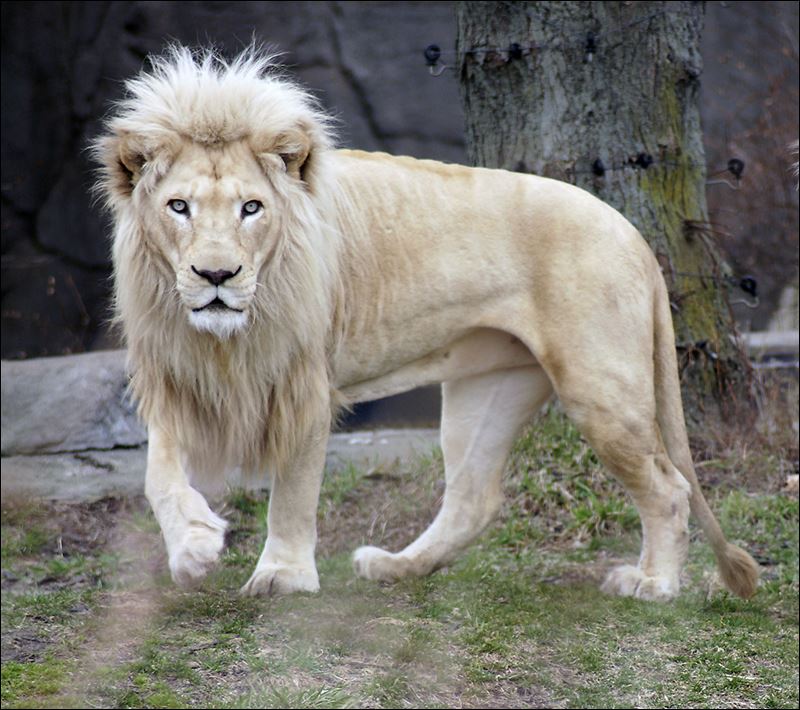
(739, 571)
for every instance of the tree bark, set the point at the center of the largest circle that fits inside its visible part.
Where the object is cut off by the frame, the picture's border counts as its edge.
(604, 95)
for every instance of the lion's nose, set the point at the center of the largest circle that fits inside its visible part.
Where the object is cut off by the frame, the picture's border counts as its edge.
(216, 277)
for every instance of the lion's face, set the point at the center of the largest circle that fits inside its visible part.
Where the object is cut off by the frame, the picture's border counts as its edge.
(215, 221)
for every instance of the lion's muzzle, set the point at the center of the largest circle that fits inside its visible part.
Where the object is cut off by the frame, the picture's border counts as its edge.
(217, 277)
(218, 301)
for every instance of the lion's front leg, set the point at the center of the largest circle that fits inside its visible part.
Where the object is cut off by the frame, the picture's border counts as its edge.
(194, 535)
(287, 563)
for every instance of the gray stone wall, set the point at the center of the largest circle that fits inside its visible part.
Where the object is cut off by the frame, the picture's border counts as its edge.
(63, 62)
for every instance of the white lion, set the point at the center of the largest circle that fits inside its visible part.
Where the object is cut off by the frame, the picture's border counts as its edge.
(264, 279)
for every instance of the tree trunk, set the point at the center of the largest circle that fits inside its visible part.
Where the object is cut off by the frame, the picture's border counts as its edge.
(604, 95)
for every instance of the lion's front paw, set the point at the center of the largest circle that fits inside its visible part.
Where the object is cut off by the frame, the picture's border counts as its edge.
(629, 581)
(378, 565)
(274, 579)
(196, 550)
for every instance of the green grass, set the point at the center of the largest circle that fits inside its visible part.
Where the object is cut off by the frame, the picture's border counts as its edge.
(517, 621)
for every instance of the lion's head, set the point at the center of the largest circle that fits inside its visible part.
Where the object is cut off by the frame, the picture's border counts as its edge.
(214, 220)
(225, 251)
(212, 162)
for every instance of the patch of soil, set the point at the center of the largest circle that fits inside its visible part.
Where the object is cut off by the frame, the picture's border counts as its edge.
(23, 646)
(385, 509)
(61, 532)
(72, 528)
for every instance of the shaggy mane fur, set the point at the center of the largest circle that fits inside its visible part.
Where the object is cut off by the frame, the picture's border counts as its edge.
(249, 401)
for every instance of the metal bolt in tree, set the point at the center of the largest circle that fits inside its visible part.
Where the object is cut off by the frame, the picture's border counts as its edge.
(605, 96)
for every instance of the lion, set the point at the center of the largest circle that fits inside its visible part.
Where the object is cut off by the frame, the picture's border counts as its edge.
(264, 280)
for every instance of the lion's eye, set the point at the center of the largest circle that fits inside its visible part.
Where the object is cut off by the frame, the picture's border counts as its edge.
(179, 206)
(250, 208)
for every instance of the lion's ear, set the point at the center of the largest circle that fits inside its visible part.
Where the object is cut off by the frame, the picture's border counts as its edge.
(122, 160)
(294, 148)
(114, 185)
(294, 155)
(127, 157)
(131, 158)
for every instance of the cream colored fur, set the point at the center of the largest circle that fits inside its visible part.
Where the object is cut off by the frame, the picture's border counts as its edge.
(363, 275)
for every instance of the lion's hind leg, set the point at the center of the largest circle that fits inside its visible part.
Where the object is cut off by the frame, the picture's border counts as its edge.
(481, 418)
(661, 495)
(618, 419)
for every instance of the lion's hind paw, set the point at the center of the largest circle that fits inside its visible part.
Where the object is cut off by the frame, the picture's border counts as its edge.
(630, 581)
(378, 565)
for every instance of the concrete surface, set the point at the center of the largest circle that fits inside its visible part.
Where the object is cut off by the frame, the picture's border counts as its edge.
(90, 475)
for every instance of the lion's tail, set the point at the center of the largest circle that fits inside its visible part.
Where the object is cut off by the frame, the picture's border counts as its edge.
(738, 569)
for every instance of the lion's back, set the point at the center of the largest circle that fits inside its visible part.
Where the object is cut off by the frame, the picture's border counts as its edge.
(491, 211)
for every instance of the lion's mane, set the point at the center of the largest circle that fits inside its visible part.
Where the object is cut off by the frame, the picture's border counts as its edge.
(251, 400)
